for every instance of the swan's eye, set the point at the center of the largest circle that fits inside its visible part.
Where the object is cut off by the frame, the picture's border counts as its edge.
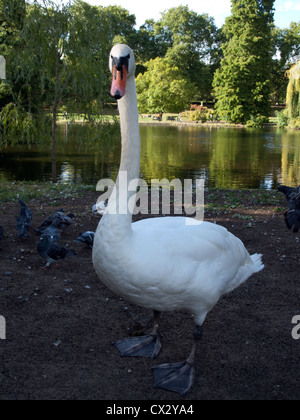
(119, 62)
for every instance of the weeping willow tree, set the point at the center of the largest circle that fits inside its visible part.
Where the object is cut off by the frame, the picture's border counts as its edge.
(290, 116)
(59, 59)
(293, 96)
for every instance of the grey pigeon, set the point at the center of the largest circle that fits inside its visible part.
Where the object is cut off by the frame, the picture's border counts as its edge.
(51, 233)
(86, 238)
(292, 215)
(288, 191)
(52, 252)
(59, 219)
(46, 223)
(23, 221)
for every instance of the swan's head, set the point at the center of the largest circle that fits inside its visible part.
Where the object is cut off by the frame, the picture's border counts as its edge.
(122, 67)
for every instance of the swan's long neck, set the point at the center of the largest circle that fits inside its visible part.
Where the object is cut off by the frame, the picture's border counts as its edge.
(130, 161)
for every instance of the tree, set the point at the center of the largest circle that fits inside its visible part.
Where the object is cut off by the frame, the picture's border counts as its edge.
(242, 83)
(12, 15)
(16, 124)
(120, 25)
(179, 25)
(293, 96)
(150, 45)
(286, 52)
(62, 58)
(162, 88)
(189, 41)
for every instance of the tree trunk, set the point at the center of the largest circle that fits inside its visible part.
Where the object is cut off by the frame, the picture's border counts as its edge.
(55, 105)
(53, 143)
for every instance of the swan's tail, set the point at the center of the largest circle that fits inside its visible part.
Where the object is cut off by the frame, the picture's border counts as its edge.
(257, 261)
(246, 270)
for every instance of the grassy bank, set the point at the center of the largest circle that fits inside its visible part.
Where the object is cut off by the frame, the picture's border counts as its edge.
(216, 200)
(45, 191)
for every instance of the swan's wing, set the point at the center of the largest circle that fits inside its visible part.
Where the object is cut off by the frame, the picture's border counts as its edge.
(167, 246)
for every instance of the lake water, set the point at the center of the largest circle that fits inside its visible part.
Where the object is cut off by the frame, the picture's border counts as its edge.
(225, 157)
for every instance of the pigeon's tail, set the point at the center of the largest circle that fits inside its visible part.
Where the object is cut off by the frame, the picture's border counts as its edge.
(292, 220)
(287, 191)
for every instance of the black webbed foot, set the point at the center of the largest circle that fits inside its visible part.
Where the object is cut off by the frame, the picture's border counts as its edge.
(143, 346)
(176, 377)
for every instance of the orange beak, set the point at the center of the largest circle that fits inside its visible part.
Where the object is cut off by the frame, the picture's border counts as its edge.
(118, 86)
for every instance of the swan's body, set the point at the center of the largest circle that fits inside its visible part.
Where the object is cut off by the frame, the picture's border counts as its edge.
(162, 263)
(165, 265)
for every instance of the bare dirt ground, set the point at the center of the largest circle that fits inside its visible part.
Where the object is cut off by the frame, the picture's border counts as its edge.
(60, 323)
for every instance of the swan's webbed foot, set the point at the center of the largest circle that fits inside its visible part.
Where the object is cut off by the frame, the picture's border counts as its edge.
(143, 346)
(176, 377)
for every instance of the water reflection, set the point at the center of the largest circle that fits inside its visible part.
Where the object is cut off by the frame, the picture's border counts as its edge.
(225, 157)
(290, 159)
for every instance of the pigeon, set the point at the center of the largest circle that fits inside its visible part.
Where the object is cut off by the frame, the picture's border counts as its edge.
(52, 252)
(1, 233)
(51, 233)
(59, 219)
(47, 222)
(99, 208)
(86, 238)
(292, 215)
(288, 191)
(23, 221)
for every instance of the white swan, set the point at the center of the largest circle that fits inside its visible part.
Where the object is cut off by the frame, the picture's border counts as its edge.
(161, 263)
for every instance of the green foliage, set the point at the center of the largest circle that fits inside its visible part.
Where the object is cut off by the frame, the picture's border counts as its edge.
(181, 26)
(257, 121)
(56, 53)
(293, 92)
(292, 111)
(120, 25)
(61, 56)
(198, 113)
(20, 127)
(286, 48)
(162, 88)
(190, 41)
(242, 83)
(46, 191)
(12, 15)
(282, 118)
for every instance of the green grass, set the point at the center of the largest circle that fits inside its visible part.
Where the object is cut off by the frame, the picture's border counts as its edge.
(46, 191)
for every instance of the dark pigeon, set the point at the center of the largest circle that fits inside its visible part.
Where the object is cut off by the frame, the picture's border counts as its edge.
(86, 238)
(52, 252)
(59, 219)
(292, 215)
(23, 221)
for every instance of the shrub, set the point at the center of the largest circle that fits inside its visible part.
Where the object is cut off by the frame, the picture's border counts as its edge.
(257, 121)
(282, 118)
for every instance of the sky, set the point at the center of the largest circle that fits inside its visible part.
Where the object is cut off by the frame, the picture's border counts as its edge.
(287, 11)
